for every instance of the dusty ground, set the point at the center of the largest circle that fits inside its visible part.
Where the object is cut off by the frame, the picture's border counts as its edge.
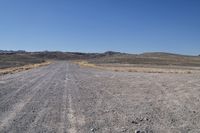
(63, 97)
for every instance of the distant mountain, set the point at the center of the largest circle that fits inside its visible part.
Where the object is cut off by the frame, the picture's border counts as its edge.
(163, 54)
(151, 58)
(11, 51)
(111, 53)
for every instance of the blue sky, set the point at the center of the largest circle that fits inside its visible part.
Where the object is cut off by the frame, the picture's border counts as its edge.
(133, 26)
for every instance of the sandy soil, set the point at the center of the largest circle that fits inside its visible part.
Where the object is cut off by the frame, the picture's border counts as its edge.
(66, 98)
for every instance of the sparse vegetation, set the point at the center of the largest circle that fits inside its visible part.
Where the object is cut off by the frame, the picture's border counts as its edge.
(84, 63)
(141, 68)
(22, 68)
(17, 60)
(149, 59)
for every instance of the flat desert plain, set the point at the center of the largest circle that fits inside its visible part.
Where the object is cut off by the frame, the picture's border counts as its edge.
(66, 98)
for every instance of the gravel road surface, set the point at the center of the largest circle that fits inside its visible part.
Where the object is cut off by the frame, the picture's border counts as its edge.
(64, 98)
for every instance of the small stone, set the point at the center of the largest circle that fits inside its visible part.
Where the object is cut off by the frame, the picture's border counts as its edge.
(93, 129)
(134, 122)
(124, 129)
(146, 119)
(137, 131)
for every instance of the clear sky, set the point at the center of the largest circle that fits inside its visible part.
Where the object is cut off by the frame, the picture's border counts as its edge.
(133, 26)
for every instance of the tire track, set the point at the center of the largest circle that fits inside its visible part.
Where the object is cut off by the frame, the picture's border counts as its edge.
(75, 115)
(63, 126)
(70, 115)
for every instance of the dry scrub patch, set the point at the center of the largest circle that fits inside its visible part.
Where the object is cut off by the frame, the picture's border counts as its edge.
(82, 63)
(145, 69)
(22, 68)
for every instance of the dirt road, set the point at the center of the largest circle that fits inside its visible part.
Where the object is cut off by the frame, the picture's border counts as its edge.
(64, 98)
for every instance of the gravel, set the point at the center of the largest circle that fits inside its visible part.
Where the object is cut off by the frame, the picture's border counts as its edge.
(66, 98)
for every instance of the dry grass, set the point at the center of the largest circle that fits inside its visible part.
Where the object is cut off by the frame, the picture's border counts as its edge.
(22, 68)
(83, 63)
(146, 69)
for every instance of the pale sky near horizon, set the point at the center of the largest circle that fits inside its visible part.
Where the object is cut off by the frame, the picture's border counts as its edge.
(133, 26)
